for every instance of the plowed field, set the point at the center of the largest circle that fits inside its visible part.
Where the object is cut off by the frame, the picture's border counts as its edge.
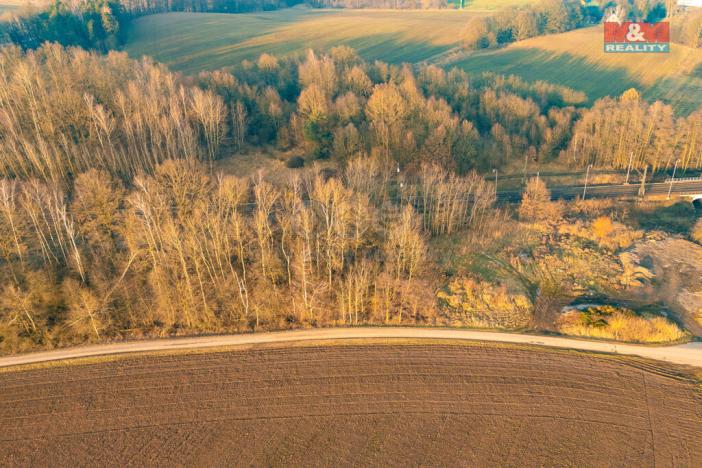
(356, 404)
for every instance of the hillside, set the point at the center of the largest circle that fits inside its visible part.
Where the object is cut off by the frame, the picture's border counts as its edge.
(191, 42)
(10, 5)
(576, 59)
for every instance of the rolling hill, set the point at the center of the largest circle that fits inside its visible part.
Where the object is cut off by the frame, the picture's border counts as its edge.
(191, 42)
(576, 59)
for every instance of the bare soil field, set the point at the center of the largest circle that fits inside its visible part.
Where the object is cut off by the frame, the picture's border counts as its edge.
(360, 404)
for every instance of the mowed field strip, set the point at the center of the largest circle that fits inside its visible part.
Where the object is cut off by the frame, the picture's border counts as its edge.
(358, 404)
(576, 59)
(192, 42)
(689, 354)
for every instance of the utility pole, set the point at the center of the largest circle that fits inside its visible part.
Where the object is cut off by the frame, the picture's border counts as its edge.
(675, 168)
(495, 171)
(628, 169)
(642, 189)
(587, 176)
(526, 161)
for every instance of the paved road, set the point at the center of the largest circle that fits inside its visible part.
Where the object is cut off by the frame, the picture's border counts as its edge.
(686, 354)
(680, 188)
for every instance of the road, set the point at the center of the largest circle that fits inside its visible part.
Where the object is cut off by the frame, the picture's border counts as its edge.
(680, 188)
(687, 354)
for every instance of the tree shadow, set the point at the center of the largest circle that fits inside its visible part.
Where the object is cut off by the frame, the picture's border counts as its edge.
(674, 219)
(684, 93)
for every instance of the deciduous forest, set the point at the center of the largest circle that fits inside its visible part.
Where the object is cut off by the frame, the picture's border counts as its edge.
(116, 222)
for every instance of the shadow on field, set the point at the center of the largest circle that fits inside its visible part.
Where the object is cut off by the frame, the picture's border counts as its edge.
(564, 69)
(683, 92)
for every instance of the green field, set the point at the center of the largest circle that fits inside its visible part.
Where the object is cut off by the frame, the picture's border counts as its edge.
(191, 42)
(576, 59)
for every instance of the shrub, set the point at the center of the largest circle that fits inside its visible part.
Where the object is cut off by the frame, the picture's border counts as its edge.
(536, 203)
(295, 162)
(619, 324)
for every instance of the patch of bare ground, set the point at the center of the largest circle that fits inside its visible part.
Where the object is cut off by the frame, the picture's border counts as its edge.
(673, 267)
(470, 405)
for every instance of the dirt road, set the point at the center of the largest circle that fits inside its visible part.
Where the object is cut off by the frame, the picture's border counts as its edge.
(686, 354)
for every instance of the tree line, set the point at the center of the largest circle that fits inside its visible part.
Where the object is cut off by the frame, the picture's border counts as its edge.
(628, 131)
(556, 16)
(64, 111)
(67, 110)
(519, 23)
(101, 24)
(184, 250)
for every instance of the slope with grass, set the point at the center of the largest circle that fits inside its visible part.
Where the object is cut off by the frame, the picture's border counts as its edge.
(576, 59)
(191, 42)
(14, 5)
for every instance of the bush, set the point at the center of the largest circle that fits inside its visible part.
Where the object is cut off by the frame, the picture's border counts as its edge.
(295, 162)
(619, 324)
(536, 203)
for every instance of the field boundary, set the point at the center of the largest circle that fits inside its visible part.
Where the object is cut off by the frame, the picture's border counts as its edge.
(688, 354)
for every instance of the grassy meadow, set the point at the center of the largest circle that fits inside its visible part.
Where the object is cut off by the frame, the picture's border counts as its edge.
(191, 42)
(576, 59)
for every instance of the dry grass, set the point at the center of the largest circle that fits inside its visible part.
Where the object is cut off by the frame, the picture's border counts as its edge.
(619, 324)
(484, 305)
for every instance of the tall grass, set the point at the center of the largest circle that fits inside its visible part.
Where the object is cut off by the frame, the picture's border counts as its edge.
(619, 324)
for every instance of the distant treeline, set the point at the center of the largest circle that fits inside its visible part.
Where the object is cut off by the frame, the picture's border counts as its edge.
(141, 7)
(519, 23)
(90, 24)
(556, 16)
(385, 4)
(100, 24)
